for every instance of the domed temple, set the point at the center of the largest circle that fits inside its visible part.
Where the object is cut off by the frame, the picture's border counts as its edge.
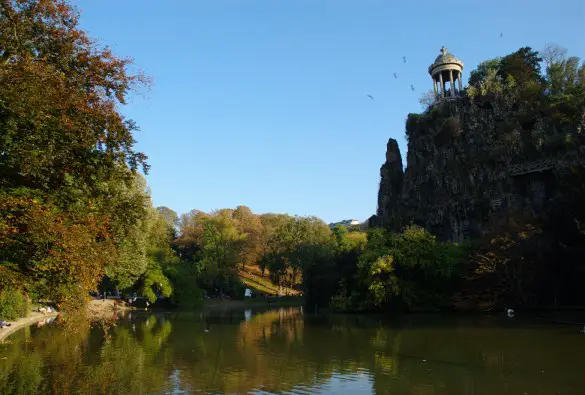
(446, 69)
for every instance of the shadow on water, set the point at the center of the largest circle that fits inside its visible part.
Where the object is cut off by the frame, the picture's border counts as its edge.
(285, 351)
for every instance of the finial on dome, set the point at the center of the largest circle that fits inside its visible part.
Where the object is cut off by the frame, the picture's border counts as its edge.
(443, 50)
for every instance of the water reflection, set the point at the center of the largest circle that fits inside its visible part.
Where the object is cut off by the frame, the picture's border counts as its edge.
(284, 351)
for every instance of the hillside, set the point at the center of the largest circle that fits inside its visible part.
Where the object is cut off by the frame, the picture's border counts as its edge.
(252, 277)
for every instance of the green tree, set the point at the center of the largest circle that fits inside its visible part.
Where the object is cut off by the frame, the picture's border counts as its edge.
(172, 219)
(522, 65)
(251, 229)
(130, 234)
(479, 75)
(409, 268)
(291, 248)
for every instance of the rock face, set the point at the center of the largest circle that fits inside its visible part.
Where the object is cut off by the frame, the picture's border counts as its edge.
(471, 166)
(391, 181)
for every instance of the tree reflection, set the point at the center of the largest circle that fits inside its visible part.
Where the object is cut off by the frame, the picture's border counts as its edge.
(283, 351)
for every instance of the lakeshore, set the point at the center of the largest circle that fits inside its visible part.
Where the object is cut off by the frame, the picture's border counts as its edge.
(107, 308)
(31, 319)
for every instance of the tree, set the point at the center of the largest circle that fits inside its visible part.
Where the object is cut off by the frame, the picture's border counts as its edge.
(477, 76)
(428, 99)
(291, 247)
(172, 219)
(162, 258)
(552, 54)
(59, 94)
(522, 65)
(218, 254)
(67, 160)
(190, 240)
(130, 231)
(251, 229)
(409, 268)
(48, 252)
(270, 222)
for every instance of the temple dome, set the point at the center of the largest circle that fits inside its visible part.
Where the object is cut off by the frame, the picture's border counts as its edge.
(446, 69)
(444, 59)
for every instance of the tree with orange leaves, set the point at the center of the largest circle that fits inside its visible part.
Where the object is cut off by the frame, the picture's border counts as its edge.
(67, 157)
(59, 98)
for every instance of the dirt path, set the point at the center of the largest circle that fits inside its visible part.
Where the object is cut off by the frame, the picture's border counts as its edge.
(31, 319)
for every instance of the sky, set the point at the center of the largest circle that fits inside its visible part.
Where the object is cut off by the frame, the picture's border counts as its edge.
(264, 103)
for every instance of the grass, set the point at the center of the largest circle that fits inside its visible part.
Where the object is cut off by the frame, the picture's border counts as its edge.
(253, 279)
(258, 287)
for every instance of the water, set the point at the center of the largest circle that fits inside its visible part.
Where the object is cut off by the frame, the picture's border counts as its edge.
(282, 351)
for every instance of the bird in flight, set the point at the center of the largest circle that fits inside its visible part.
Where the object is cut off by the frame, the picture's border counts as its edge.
(404, 59)
(412, 87)
(395, 76)
(501, 35)
(371, 97)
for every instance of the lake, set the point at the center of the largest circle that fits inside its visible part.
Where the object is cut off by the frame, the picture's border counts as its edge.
(283, 351)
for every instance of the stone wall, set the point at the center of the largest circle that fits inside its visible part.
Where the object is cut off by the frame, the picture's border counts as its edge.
(471, 165)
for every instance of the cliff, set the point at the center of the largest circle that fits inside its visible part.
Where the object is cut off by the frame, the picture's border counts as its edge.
(473, 164)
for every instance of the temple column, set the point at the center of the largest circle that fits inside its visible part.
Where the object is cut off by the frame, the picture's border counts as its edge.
(442, 84)
(452, 83)
(460, 84)
(435, 86)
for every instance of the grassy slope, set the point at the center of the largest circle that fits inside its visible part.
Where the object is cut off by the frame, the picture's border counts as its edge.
(252, 277)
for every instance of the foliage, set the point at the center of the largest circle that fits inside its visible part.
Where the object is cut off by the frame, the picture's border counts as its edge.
(507, 259)
(477, 76)
(54, 252)
(293, 247)
(249, 248)
(184, 278)
(565, 80)
(13, 304)
(71, 206)
(522, 65)
(410, 268)
(59, 93)
(428, 99)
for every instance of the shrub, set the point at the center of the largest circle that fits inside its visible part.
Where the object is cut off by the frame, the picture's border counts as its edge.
(13, 304)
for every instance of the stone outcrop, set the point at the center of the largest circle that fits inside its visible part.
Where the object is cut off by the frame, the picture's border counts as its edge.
(391, 181)
(472, 165)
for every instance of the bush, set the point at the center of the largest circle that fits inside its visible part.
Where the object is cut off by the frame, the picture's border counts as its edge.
(13, 305)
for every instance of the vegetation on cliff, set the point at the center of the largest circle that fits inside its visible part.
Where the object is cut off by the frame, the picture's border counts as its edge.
(501, 167)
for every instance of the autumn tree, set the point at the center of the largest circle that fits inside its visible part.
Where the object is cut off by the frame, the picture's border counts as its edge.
(67, 157)
(51, 253)
(59, 98)
(251, 229)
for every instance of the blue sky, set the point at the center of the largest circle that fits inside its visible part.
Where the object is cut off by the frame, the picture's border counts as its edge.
(264, 103)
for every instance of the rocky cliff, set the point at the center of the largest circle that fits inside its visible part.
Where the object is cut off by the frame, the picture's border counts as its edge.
(473, 164)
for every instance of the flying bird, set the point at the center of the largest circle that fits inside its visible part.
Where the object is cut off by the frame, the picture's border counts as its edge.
(395, 76)
(404, 59)
(371, 97)
(412, 87)
(501, 35)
